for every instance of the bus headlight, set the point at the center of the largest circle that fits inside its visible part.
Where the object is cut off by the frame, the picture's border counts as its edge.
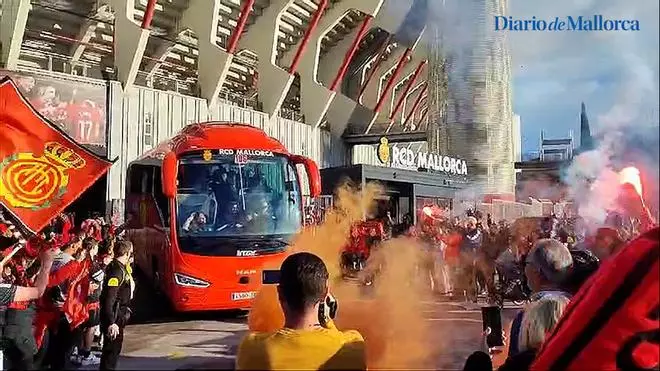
(183, 280)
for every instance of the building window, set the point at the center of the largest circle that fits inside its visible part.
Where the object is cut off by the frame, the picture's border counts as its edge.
(148, 133)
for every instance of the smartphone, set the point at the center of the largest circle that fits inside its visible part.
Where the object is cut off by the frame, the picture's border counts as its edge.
(327, 309)
(270, 276)
(492, 317)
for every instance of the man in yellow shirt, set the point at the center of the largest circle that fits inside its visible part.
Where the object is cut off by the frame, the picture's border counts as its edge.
(309, 339)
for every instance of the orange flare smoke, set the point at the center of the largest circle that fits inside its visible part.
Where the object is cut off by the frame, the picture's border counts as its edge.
(390, 319)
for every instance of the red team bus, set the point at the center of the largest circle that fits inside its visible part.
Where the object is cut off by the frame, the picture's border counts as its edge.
(210, 208)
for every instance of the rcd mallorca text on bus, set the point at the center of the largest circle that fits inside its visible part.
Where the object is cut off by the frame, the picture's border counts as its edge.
(407, 159)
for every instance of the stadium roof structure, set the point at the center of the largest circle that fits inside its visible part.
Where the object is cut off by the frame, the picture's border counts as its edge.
(353, 47)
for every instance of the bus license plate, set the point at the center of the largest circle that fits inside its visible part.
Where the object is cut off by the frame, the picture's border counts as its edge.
(243, 295)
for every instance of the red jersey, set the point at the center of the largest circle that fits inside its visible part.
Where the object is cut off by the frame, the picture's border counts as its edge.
(453, 242)
(86, 121)
(92, 228)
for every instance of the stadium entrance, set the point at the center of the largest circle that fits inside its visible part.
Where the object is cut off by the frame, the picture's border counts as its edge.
(91, 203)
(406, 191)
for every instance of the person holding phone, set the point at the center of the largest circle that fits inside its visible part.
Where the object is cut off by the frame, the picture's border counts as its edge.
(309, 339)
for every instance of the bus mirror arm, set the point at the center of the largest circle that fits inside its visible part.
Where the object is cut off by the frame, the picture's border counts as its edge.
(313, 174)
(169, 175)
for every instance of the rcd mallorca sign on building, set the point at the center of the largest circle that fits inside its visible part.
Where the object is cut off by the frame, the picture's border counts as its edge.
(405, 158)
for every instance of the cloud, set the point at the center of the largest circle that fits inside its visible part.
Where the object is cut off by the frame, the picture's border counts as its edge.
(615, 73)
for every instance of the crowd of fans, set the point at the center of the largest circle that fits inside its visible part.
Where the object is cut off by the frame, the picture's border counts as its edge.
(67, 290)
(557, 264)
(473, 255)
(52, 303)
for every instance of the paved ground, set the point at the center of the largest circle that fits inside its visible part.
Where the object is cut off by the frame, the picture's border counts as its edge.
(161, 341)
(209, 341)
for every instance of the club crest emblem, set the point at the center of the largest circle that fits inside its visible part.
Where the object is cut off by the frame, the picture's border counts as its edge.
(30, 181)
(384, 150)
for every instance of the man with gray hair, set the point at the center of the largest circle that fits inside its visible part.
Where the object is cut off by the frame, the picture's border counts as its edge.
(547, 266)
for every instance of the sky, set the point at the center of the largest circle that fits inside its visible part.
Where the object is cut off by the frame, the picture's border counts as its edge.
(614, 73)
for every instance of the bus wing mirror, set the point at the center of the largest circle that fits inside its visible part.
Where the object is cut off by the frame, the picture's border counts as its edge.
(169, 175)
(313, 174)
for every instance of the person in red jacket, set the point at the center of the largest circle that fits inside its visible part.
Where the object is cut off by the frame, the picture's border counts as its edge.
(453, 240)
(52, 314)
(84, 357)
(92, 228)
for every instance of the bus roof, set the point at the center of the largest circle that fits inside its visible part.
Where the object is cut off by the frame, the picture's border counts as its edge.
(214, 135)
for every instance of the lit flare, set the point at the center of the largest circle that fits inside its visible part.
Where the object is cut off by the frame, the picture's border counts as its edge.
(428, 211)
(630, 175)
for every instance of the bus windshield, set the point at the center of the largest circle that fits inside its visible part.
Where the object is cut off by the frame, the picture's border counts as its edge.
(239, 195)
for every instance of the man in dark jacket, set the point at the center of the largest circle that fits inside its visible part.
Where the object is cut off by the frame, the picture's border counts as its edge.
(16, 340)
(118, 287)
(470, 247)
(224, 194)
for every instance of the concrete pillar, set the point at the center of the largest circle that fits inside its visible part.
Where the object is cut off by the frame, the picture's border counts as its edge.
(261, 38)
(377, 84)
(413, 111)
(339, 113)
(399, 116)
(408, 71)
(314, 97)
(130, 42)
(212, 61)
(408, 102)
(377, 87)
(88, 29)
(393, 15)
(12, 28)
(331, 62)
(151, 66)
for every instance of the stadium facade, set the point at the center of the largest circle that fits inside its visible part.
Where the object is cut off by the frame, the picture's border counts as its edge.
(335, 80)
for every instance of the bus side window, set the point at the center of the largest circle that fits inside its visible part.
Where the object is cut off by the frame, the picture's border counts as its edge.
(161, 200)
(135, 179)
(147, 180)
(141, 179)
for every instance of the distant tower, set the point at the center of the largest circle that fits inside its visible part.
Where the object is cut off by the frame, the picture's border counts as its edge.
(586, 141)
(479, 114)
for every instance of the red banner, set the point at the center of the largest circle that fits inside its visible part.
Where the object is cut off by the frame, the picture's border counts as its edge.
(613, 323)
(42, 170)
(76, 107)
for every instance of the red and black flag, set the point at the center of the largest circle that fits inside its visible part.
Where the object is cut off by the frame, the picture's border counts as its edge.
(42, 169)
(613, 323)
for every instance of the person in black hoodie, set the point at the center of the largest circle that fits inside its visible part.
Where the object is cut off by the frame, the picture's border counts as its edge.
(116, 295)
(470, 246)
